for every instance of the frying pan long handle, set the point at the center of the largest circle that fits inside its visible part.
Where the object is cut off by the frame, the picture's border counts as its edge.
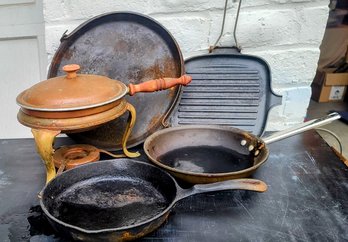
(314, 123)
(158, 84)
(235, 184)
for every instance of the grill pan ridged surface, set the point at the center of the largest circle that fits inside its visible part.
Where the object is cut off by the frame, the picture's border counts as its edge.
(227, 89)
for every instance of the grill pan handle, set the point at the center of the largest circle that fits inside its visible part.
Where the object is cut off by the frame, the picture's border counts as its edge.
(274, 99)
(237, 47)
(235, 184)
(311, 124)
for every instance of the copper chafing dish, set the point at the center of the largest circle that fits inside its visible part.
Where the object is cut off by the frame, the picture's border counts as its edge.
(79, 102)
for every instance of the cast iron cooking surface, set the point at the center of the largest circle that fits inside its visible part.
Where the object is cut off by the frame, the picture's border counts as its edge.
(131, 48)
(114, 202)
(229, 90)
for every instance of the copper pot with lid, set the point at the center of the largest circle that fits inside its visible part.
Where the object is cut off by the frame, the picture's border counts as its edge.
(78, 102)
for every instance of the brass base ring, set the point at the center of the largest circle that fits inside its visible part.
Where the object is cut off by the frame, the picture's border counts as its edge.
(75, 155)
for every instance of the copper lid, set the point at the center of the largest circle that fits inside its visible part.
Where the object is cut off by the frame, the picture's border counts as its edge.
(72, 92)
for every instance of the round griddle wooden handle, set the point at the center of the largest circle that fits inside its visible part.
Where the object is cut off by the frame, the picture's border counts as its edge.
(158, 84)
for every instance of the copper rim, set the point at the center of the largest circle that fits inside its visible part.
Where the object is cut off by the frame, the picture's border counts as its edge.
(20, 103)
(73, 124)
(70, 114)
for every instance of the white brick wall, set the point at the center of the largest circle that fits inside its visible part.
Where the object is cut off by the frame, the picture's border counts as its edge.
(286, 33)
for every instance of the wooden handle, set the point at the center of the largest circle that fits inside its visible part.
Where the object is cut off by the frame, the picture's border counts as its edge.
(71, 70)
(159, 84)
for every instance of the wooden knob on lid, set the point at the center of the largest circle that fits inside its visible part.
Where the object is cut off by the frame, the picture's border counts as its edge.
(71, 70)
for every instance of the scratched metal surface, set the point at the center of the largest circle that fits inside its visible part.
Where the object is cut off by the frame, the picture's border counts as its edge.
(131, 48)
(307, 199)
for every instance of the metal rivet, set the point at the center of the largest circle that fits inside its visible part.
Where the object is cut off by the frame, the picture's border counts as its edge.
(257, 152)
(243, 142)
(251, 147)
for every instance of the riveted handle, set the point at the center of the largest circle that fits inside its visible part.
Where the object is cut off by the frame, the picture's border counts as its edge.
(159, 84)
(311, 124)
(71, 70)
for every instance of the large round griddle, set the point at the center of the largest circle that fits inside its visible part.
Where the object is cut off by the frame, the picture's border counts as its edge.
(131, 48)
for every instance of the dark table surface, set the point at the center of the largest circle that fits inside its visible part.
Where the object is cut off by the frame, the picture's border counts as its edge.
(307, 199)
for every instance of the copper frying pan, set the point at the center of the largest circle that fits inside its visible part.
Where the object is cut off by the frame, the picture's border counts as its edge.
(208, 153)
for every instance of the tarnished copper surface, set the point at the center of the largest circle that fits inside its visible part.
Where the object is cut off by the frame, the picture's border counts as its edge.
(71, 92)
(67, 125)
(71, 114)
(75, 155)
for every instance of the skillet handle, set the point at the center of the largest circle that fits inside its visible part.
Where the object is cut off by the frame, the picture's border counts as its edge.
(235, 184)
(311, 124)
(158, 84)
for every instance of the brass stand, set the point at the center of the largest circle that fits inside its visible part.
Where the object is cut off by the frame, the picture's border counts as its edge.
(130, 124)
(44, 139)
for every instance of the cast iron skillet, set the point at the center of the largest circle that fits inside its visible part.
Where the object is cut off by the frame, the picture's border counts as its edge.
(209, 153)
(119, 200)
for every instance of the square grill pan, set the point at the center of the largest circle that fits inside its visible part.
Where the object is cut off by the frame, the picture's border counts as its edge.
(229, 90)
